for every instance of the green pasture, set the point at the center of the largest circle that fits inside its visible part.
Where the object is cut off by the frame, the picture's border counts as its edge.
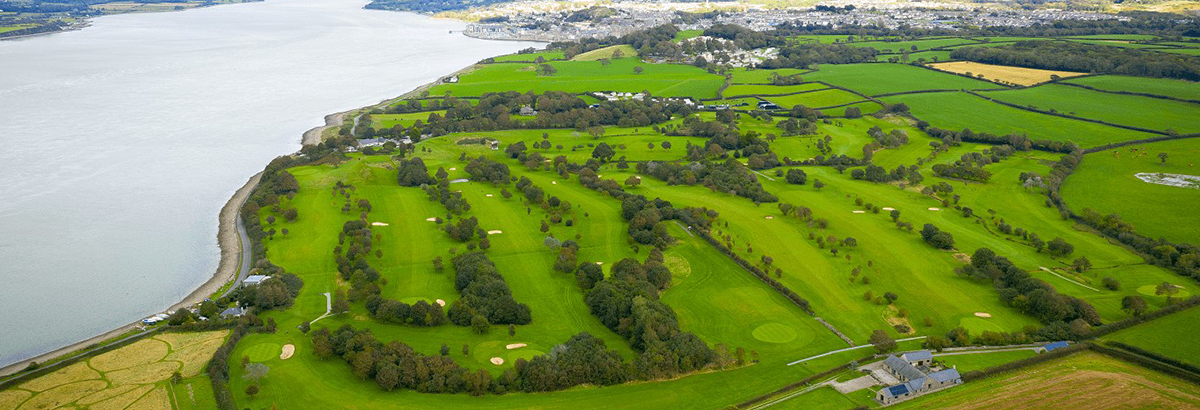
(1172, 336)
(865, 108)
(882, 78)
(1106, 181)
(386, 121)
(687, 34)
(1130, 110)
(1157, 86)
(927, 56)
(957, 111)
(822, 98)
(670, 80)
(606, 52)
(530, 57)
(979, 361)
(756, 89)
(897, 47)
(758, 76)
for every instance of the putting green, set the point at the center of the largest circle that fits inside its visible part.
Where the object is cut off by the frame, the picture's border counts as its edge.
(1149, 290)
(413, 300)
(522, 353)
(977, 325)
(264, 351)
(775, 333)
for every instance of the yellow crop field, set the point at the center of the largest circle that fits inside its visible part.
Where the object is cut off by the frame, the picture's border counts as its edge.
(1003, 74)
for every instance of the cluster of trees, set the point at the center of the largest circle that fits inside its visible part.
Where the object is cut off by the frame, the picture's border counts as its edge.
(962, 170)
(464, 230)
(728, 176)
(645, 219)
(1029, 294)
(1019, 142)
(938, 238)
(1071, 56)
(878, 174)
(421, 313)
(1180, 257)
(440, 192)
(280, 290)
(804, 55)
(396, 365)
(486, 297)
(486, 170)
(412, 172)
(352, 254)
(627, 302)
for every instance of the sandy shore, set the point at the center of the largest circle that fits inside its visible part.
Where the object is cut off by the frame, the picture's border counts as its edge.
(231, 249)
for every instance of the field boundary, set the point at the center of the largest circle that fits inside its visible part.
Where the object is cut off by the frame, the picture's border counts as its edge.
(1067, 116)
(1088, 87)
(29, 374)
(1138, 142)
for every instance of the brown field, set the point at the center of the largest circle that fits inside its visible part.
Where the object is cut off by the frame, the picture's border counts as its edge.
(156, 400)
(146, 373)
(76, 372)
(122, 400)
(1083, 381)
(105, 394)
(194, 357)
(131, 377)
(10, 399)
(1003, 74)
(139, 353)
(62, 395)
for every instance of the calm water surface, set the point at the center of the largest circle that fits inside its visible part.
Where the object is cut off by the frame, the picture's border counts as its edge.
(122, 141)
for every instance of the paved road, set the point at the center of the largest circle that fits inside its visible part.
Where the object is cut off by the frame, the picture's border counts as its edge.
(847, 350)
(244, 264)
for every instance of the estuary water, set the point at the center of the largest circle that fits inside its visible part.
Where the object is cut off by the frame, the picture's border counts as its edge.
(119, 143)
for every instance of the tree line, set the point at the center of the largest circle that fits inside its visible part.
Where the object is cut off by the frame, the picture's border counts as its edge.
(1088, 58)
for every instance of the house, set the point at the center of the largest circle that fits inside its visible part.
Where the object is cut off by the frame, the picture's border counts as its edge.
(372, 142)
(767, 105)
(527, 110)
(233, 312)
(254, 280)
(494, 145)
(918, 358)
(914, 381)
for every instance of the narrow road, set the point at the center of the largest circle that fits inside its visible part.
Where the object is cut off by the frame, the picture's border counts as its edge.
(245, 261)
(847, 350)
(328, 308)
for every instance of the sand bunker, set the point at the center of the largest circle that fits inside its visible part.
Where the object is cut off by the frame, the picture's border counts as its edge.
(934, 209)
(495, 231)
(1175, 180)
(454, 169)
(379, 224)
(860, 212)
(440, 302)
(983, 314)
(497, 361)
(770, 217)
(431, 219)
(488, 195)
(553, 182)
(599, 263)
(887, 208)
(288, 351)
(515, 346)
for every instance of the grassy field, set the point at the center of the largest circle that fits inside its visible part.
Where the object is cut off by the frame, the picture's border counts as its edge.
(385, 121)
(744, 76)
(1170, 336)
(1080, 381)
(979, 361)
(874, 79)
(135, 376)
(1014, 75)
(686, 34)
(1106, 182)
(531, 57)
(669, 80)
(607, 52)
(1157, 86)
(822, 98)
(912, 45)
(927, 56)
(863, 107)
(956, 111)
(1131, 110)
(756, 89)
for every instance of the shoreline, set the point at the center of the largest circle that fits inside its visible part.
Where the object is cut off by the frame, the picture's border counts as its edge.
(231, 248)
